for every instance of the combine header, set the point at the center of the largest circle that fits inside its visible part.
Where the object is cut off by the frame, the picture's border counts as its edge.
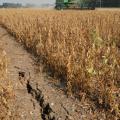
(75, 4)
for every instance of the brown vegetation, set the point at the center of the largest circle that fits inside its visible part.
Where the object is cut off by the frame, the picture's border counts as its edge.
(5, 88)
(80, 47)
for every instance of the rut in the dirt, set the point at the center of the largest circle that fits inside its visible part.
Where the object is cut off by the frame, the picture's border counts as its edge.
(46, 111)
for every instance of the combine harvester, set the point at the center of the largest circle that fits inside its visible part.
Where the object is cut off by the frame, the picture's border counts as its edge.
(75, 4)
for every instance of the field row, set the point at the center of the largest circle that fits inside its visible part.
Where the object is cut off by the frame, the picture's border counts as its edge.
(81, 48)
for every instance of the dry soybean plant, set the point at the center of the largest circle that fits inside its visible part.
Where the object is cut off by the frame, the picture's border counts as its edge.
(83, 48)
(5, 88)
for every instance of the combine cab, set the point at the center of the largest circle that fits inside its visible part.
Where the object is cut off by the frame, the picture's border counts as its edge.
(75, 4)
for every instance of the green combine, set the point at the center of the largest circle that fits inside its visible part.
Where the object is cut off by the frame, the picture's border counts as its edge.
(75, 4)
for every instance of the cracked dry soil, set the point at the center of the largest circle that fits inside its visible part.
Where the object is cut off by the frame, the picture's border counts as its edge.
(35, 97)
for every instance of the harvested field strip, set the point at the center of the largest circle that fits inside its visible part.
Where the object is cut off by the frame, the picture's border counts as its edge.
(81, 48)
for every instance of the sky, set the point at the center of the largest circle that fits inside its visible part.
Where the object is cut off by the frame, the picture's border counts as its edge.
(37, 2)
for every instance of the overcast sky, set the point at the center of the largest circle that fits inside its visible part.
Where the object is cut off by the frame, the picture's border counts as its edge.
(29, 1)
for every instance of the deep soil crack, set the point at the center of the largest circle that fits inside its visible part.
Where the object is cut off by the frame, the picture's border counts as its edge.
(46, 111)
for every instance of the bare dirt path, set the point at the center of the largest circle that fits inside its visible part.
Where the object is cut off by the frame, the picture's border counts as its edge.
(35, 97)
(19, 61)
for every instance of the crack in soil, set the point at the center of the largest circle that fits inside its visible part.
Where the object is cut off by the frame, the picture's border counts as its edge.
(46, 111)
